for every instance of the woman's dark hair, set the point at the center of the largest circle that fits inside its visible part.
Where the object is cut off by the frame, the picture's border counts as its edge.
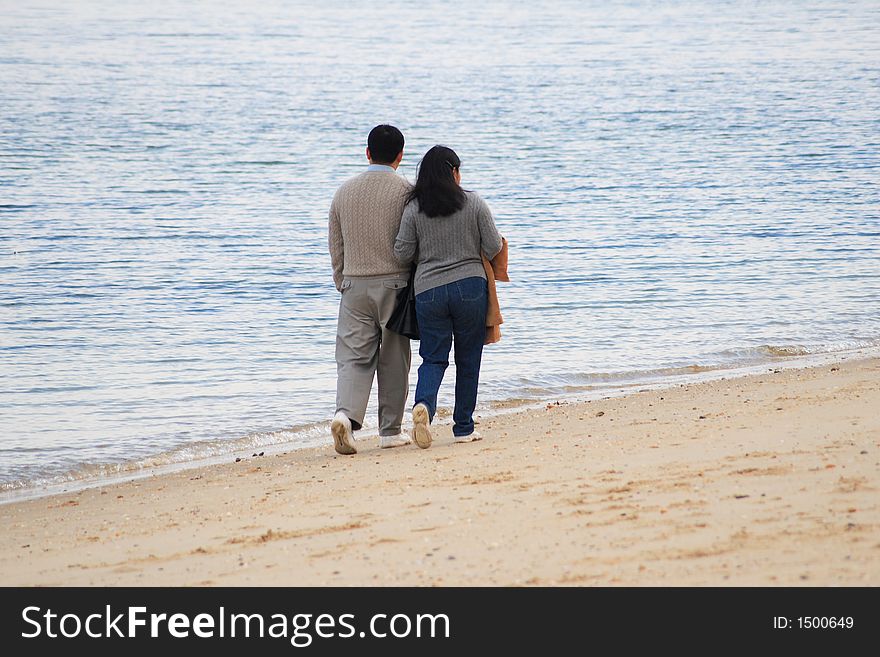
(435, 190)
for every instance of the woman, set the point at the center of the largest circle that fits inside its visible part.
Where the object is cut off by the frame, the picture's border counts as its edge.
(447, 229)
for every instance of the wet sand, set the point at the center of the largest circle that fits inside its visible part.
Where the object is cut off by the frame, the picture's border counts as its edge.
(769, 479)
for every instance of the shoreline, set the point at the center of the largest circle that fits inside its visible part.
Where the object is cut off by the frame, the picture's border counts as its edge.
(766, 479)
(314, 434)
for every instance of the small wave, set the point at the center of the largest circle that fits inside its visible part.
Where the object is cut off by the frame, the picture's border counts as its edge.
(794, 350)
(784, 350)
(734, 361)
(513, 402)
(204, 452)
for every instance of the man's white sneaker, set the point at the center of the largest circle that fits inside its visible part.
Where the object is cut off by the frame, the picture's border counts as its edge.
(343, 441)
(471, 437)
(421, 434)
(397, 440)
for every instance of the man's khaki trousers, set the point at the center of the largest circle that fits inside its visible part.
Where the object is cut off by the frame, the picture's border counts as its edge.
(364, 347)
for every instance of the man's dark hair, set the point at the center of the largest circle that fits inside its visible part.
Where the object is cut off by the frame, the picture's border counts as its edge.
(385, 143)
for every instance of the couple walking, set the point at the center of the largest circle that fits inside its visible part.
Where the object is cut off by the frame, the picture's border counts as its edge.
(379, 225)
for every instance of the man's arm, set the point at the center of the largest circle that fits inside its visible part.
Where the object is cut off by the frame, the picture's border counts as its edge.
(337, 252)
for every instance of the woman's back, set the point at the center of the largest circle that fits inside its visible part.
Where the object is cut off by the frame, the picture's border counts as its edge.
(447, 248)
(446, 231)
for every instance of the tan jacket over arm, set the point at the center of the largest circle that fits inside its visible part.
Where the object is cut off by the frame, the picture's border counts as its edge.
(496, 270)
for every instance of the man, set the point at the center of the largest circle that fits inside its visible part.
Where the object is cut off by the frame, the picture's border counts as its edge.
(364, 220)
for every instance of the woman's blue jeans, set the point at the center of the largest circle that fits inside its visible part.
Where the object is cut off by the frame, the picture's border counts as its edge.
(452, 314)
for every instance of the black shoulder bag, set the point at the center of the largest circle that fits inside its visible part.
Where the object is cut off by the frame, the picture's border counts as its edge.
(403, 319)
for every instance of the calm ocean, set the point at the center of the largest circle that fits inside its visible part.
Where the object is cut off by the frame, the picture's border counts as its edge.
(684, 185)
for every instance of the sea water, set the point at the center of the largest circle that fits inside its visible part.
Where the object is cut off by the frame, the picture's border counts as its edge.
(685, 186)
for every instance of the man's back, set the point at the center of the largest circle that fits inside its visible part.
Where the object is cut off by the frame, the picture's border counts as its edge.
(364, 220)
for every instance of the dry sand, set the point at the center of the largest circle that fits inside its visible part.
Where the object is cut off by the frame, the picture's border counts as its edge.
(762, 480)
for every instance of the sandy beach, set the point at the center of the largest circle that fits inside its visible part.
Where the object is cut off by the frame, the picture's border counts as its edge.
(769, 479)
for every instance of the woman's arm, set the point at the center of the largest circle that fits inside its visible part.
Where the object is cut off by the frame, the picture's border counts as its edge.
(407, 242)
(490, 238)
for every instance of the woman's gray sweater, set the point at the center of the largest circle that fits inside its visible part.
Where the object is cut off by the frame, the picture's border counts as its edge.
(447, 249)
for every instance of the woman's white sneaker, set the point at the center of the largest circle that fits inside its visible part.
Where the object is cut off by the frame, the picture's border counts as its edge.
(421, 434)
(471, 437)
(343, 441)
